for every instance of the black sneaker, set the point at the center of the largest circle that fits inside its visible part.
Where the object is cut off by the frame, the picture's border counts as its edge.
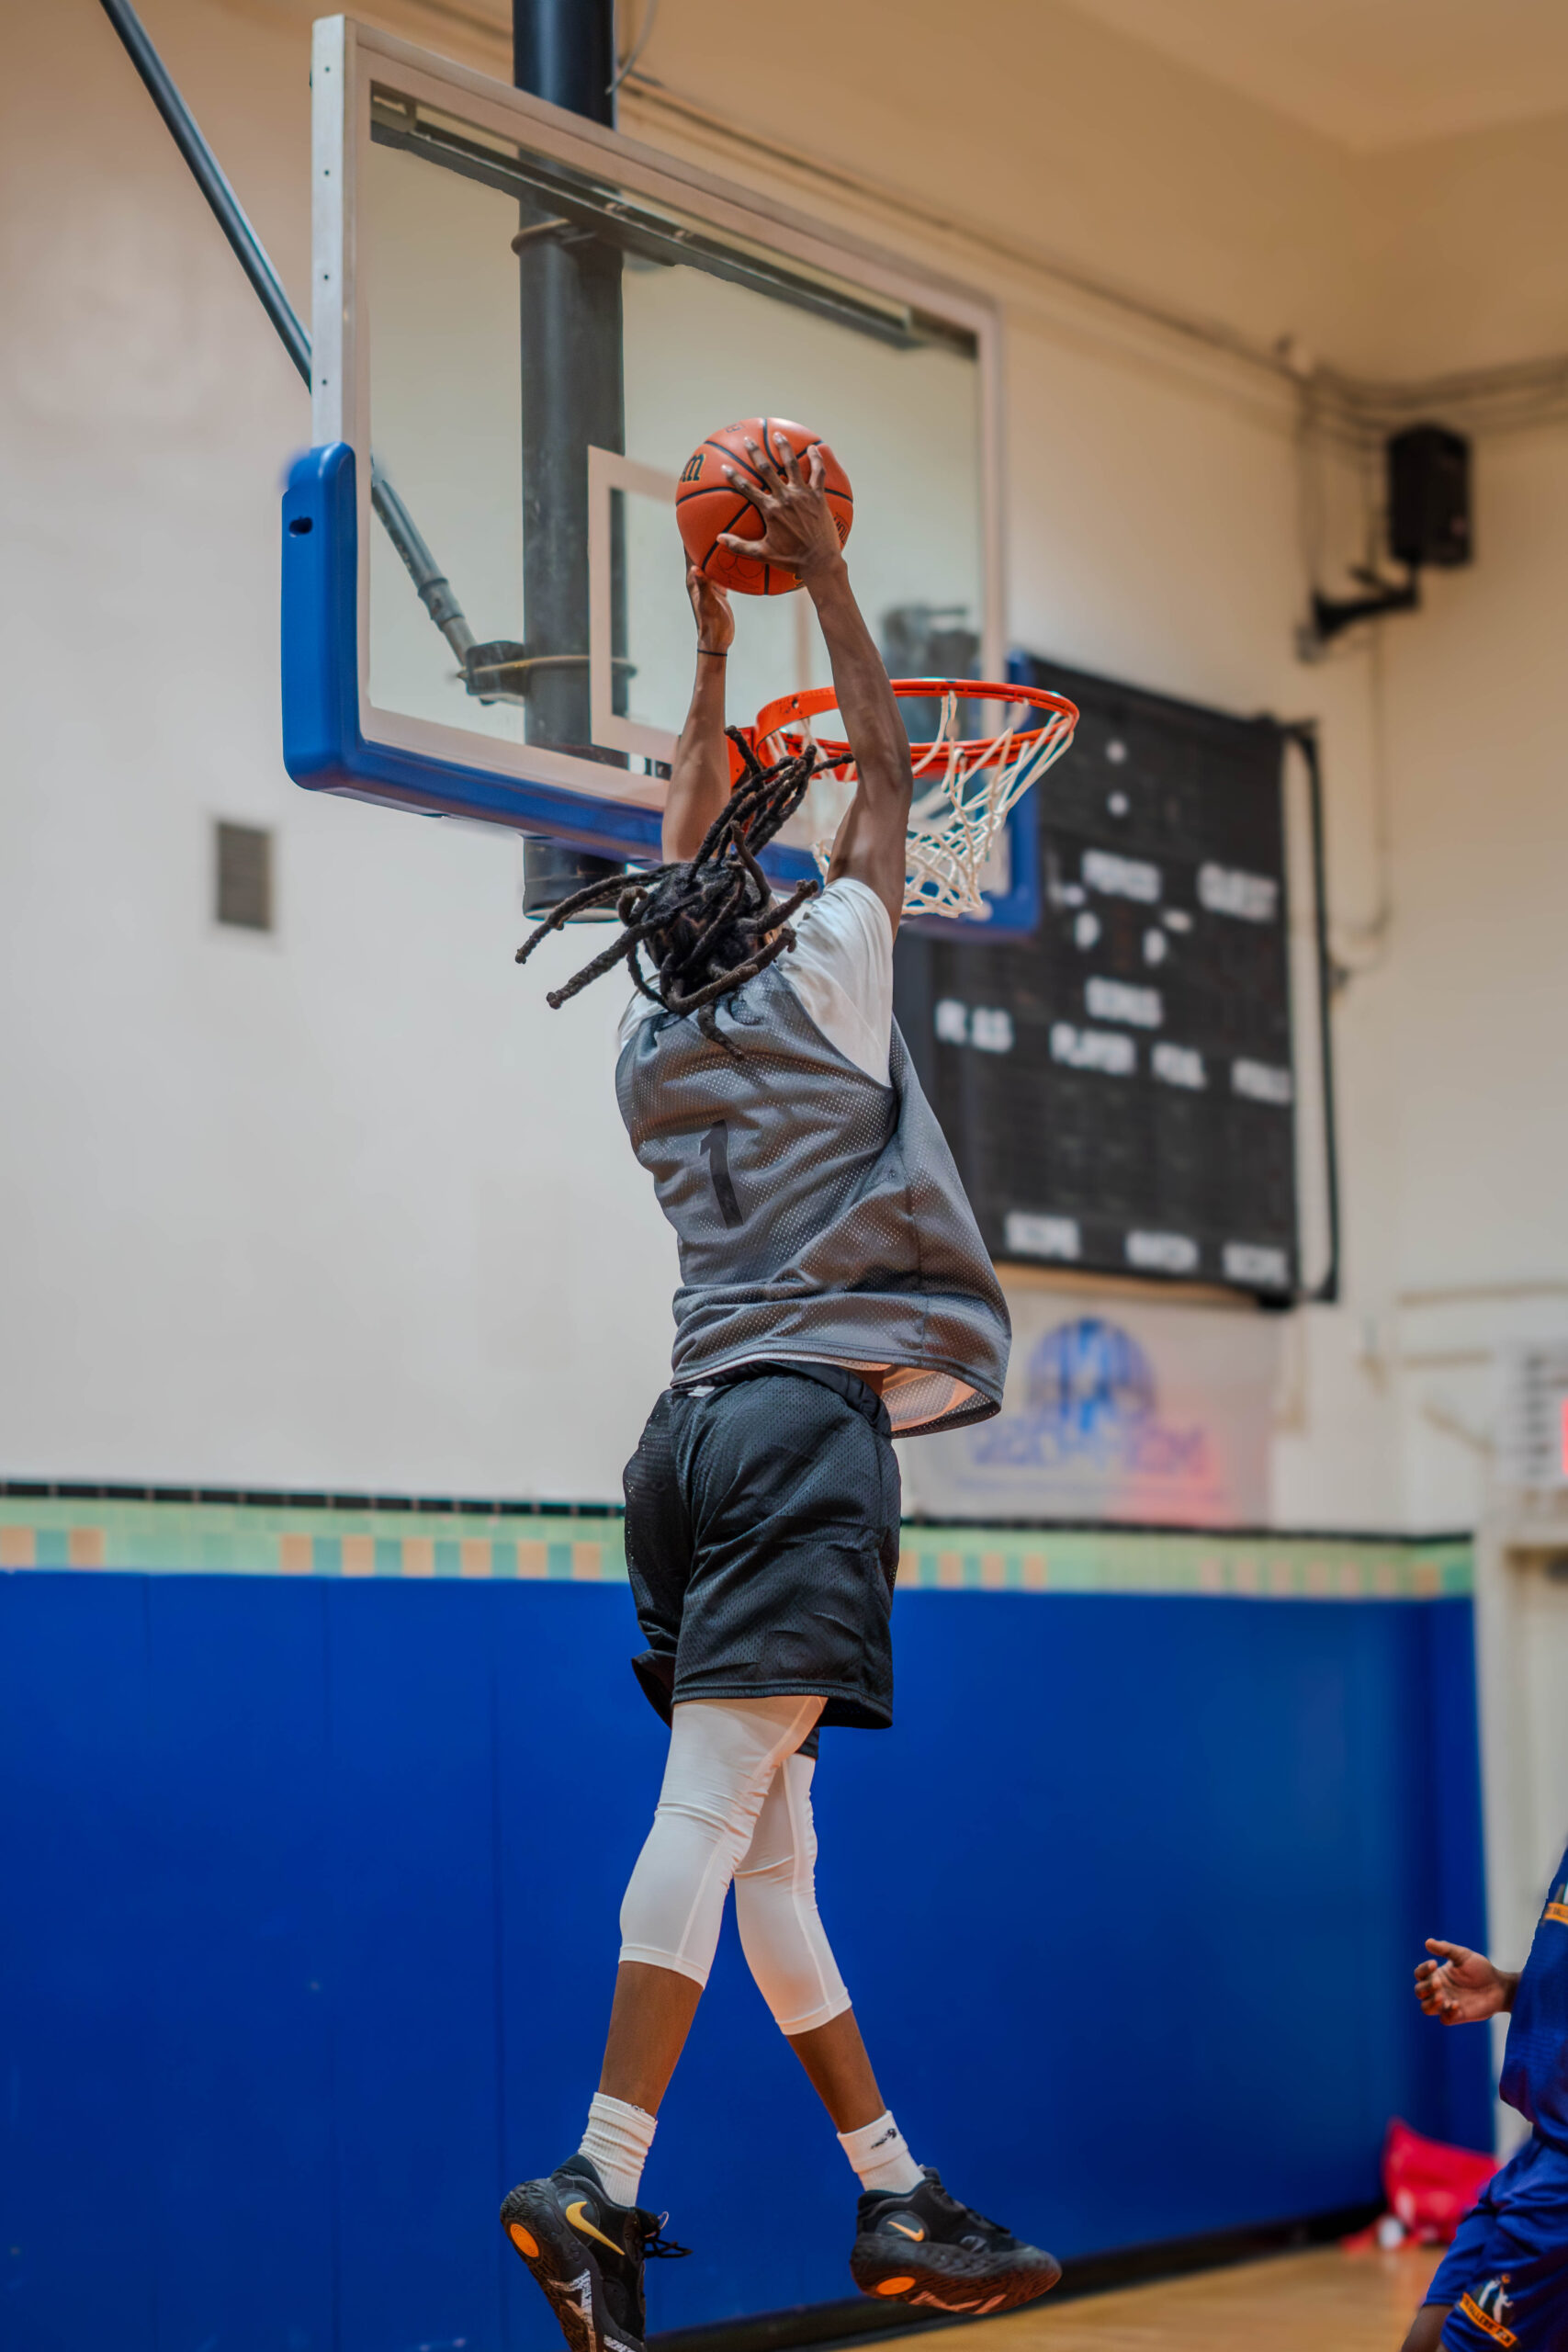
(922, 2246)
(587, 2254)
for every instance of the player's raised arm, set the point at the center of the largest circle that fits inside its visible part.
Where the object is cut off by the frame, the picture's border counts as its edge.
(699, 775)
(799, 532)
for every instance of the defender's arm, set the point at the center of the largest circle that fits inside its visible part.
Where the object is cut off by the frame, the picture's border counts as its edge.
(699, 775)
(1461, 1986)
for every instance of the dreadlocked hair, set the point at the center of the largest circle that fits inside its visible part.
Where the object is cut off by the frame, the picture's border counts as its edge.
(709, 922)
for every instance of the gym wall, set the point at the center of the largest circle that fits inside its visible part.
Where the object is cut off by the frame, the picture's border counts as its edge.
(345, 1206)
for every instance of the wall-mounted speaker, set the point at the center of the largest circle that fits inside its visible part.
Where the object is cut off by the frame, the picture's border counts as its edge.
(1429, 496)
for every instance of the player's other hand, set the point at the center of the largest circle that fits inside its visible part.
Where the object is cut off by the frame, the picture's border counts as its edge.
(710, 606)
(798, 529)
(1459, 1986)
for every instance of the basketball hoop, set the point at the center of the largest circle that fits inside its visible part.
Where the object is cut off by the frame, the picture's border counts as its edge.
(965, 786)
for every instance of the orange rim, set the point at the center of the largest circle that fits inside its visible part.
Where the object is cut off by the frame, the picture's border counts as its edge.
(776, 718)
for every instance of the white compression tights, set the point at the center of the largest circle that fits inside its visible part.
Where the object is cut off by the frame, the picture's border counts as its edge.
(736, 1803)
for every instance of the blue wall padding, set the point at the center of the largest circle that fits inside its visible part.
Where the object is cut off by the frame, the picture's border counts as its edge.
(311, 1892)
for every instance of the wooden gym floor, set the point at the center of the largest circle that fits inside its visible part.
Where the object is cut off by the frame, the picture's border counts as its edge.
(1321, 2301)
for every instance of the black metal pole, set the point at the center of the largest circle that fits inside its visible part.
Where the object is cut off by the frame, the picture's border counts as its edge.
(565, 51)
(570, 324)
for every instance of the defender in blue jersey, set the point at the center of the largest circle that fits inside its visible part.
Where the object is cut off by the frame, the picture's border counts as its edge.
(1504, 2278)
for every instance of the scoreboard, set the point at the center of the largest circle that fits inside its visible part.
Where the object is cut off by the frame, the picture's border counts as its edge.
(1119, 1090)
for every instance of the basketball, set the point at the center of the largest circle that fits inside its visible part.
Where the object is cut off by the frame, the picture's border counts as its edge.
(706, 506)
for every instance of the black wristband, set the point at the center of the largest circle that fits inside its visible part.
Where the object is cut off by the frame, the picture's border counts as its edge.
(711, 653)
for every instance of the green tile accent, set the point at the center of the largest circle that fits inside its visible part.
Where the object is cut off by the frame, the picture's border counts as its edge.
(266, 1539)
(1214, 1566)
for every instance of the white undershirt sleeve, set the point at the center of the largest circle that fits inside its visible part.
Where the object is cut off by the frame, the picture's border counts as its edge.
(841, 969)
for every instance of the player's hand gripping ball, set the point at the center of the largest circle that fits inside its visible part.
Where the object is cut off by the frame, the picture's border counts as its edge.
(754, 481)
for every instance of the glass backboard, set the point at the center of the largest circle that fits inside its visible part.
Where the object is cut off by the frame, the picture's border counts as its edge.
(530, 322)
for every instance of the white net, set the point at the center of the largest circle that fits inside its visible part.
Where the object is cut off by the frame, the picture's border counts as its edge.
(963, 791)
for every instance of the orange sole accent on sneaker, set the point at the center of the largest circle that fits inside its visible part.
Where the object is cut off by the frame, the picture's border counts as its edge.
(522, 2241)
(894, 2285)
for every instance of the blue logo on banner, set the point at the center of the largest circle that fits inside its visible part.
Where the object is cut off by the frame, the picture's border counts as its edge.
(1090, 1398)
(1087, 1379)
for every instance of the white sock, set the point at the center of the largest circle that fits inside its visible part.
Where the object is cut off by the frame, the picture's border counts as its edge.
(616, 2141)
(880, 2153)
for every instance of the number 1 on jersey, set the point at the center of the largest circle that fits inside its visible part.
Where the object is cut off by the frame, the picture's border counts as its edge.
(715, 1147)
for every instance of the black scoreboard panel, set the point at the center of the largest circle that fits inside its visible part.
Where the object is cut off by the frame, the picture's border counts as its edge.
(1118, 1091)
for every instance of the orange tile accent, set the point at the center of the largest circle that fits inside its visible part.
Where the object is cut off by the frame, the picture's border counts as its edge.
(359, 1555)
(474, 1556)
(419, 1556)
(586, 1560)
(1211, 1575)
(992, 1571)
(17, 1548)
(84, 1547)
(950, 1570)
(532, 1559)
(1351, 1581)
(1428, 1579)
(908, 1569)
(295, 1555)
(1385, 1580)
(1244, 1577)
(1319, 1580)
(1035, 1573)
(1280, 1580)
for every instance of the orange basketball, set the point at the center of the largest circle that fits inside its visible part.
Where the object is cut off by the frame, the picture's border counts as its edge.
(706, 504)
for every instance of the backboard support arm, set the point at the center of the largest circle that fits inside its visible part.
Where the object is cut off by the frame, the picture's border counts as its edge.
(434, 589)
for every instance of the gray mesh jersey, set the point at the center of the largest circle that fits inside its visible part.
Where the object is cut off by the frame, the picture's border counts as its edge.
(819, 1213)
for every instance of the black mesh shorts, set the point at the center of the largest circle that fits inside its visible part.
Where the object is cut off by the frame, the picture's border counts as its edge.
(762, 1543)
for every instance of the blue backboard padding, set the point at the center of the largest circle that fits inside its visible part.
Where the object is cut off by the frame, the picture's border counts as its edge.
(323, 747)
(326, 750)
(312, 1895)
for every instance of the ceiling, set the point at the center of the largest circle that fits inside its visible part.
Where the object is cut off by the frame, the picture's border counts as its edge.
(1367, 73)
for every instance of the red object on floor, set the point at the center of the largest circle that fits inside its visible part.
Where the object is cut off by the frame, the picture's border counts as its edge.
(1430, 2187)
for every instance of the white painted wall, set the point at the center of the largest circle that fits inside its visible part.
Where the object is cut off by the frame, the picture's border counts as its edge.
(350, 1207)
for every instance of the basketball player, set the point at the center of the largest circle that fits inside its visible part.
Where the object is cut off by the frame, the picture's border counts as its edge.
(834, 1289)
(1504, 2278)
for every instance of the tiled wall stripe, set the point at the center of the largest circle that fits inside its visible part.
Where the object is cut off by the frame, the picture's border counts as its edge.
(255, 1539)
(1107, 1560)
(262, 1540)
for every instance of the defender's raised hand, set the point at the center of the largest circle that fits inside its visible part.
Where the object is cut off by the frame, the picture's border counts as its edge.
(798, 529)
(1461, 1986)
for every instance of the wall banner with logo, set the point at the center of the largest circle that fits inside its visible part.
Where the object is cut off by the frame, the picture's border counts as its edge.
(1139, 1410)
